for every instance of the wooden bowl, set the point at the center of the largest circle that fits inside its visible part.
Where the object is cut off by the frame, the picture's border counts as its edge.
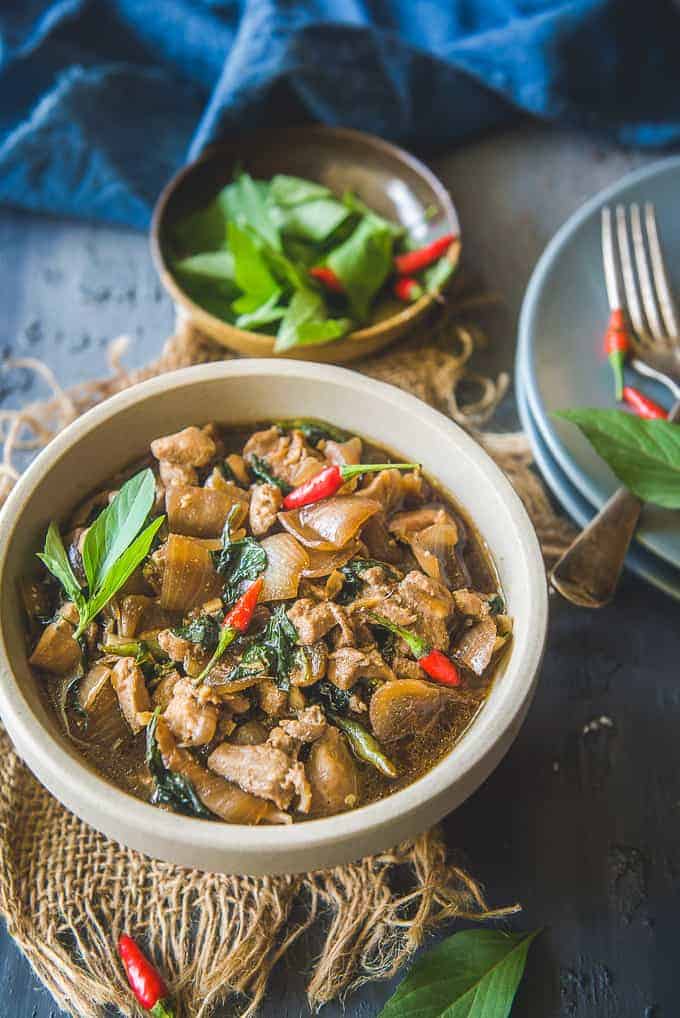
(389, 180)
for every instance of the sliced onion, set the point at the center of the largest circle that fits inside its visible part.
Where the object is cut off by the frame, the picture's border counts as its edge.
(189, 577)
(344, 453)
(201, 512)
(405, 524)
(286, 561)
(323, 563)
(435, 551)
(330, 524)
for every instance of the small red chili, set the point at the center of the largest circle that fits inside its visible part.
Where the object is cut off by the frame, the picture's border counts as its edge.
(234, 622)
(435, 664)
(413, 261)
(145, 981)
(616, 347)
(643, 405)
(408, 289)
(331, 479)
(323, 274)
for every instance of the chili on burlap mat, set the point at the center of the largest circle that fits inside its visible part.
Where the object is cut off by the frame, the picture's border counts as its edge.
(67, 891)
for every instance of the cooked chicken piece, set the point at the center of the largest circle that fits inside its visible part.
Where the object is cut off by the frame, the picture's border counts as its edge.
(192, 723)
(162, 694)
(56, 651)
(406, 668)
(176, 647)
(191, 447)
(344, 453)
(391, 488)
(133, 696)
(222, 798)
(475, 647)
(405, 707)
(265, 502)
(273, 701)
(309, 725)
(310, 666)
(176, 473)
(422, 593)
(345, 636)
(202, 512)
(469, 602)
(312, 620)
(347, 665)
(332, 774)
(288, 456)
(250, 733)
(262, 770)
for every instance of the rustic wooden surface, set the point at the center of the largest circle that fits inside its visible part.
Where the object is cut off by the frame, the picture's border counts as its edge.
(583, 829)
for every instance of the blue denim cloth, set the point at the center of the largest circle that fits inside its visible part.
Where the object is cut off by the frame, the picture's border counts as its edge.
(101, 100)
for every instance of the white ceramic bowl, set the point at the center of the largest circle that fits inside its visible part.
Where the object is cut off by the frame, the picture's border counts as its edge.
(112, 434)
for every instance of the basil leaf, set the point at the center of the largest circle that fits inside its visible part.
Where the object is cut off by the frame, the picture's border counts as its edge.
(238, 560)
(363, 262)
(203, 230)
(170, 789)
(250, 271)
(313, 430)
(54, 556)
(351, 572)
(288, 190)
(355, 204)
(644, 455)
(338, 699)
(265, 314)
(276, 647)
(314, 221)
(306, 322)
(212, 295)
(473, 974)
(244, 202)
(203, 630)
(117, 526)
(259, 468)
(121, 571)
(317, 333)
(217, 265)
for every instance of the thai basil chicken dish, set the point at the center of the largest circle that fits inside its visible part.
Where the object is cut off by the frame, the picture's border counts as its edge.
(265, 625)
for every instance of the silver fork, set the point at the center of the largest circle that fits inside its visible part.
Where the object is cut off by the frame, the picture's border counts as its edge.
(588, 572)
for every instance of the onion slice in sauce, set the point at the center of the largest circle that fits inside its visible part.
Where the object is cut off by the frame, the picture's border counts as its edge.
(189, 577)
(330, 524)
(323, 563)
(286, 560)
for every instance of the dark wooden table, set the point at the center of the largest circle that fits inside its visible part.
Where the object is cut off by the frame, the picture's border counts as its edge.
(582, 828)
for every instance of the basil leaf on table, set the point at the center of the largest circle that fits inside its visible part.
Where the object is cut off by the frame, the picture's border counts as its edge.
(362, 263)
(306, 321)
(473, 974)
(644, 455)
(117, 525)
(245, 203)
(55, 558)
(287, 190)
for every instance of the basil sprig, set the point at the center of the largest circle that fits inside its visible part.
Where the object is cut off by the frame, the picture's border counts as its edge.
(472, 973)
(644, 455)
(112, 549)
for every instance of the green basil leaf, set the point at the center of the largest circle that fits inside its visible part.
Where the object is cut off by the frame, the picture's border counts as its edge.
(203, 630)
(363, 262)
(121, 571)
(250, 271)
(259, 468)
(276, 647)
(217, 265)
(317, 333)
(55, 558)
(306, 322)
(644, 455)
(473, 974)
(313, 430)
(203, 230)
(355, 204)
(170, 789)
(117, 526)
(314, 221)
(212, 295)
(244, 202)
(265, 314)
(287, 190)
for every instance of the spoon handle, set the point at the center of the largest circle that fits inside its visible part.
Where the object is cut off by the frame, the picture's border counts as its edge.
(588, 572)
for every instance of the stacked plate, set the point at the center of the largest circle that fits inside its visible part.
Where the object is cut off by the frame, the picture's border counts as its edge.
(560, 364)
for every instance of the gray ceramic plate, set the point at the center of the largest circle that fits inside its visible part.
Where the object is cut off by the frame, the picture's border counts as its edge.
(562, 324)
(639, 561)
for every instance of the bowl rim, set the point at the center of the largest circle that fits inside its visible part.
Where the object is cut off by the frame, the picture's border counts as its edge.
(210, 322)
(76, 782)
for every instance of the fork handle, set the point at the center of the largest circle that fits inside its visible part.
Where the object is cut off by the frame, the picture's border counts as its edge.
(589, 571)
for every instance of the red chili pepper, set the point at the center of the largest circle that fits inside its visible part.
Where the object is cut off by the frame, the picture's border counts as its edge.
(643, 405)
(408, 289)
(145, 982)
(234, 622)
(616, 347)
(331, 479)
(413, 261)
(324, 275)
(435, 664)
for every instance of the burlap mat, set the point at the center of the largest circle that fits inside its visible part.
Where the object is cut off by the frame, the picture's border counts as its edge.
(67, 892)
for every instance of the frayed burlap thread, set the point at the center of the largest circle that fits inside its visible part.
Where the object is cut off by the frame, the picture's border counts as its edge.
(67, 891)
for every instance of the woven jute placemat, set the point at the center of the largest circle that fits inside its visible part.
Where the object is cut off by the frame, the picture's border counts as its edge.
(67, 891)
